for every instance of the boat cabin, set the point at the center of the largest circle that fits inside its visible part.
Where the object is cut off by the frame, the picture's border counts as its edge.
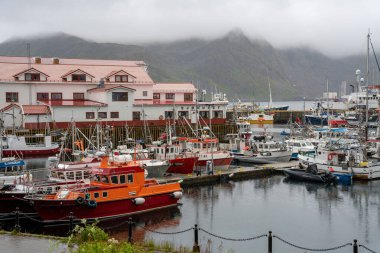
(11, 166)
(70, 175)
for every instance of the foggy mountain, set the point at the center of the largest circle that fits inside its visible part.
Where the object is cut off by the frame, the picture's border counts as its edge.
(233, 64)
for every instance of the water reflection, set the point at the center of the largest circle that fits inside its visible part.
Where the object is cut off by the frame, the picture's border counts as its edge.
(296, 211)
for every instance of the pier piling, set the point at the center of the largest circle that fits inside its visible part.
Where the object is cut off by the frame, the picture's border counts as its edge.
(270, 242)
(196, 247)
(130, 230)
(355, 246)
(17, 220)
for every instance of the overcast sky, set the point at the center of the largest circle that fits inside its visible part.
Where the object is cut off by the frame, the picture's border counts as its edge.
(334, 27)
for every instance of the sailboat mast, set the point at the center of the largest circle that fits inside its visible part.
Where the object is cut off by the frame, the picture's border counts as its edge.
(367, 83)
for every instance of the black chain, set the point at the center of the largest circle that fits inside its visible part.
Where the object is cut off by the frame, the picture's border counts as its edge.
(31, 218)
(117, 225)
(364, 247)
(165, 233)
(233, 239)
(303, 248)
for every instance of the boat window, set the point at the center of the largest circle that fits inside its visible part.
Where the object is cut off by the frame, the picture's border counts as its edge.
(130, 178)
(57, 188)
(309, 144)
(171, 150)
(70, 175)
(54, 174)
(86, 174)
(122, 179)
(114, 180)
(297, 144)
(96, 178)
(78, 175)
(105, 194)
(49, 190)
(105, 179)
(96, 195)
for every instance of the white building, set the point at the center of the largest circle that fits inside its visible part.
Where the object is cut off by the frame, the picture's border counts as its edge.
(36, 91)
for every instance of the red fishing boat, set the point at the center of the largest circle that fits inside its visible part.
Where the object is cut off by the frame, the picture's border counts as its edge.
(36, 145)
(116, 190)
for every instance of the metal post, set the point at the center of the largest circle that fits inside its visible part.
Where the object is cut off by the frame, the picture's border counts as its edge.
(130, 230)
(17, 221)
(196, 247)
(270, 242)
(355, 246)
(71, 225)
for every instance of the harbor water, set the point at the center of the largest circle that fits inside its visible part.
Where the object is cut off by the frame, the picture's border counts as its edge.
(309, 215)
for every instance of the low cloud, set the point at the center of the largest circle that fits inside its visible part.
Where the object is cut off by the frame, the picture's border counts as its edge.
(336, 28)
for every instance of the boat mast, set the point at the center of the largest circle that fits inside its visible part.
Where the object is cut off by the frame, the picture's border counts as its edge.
(328, 103)
(367, 76)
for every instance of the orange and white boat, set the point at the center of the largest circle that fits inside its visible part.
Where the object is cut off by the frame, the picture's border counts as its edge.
(116, 190)
(207, 150)
(258, 118)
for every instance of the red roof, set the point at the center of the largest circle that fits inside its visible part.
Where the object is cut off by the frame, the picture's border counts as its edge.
(35, 109)
(29, 69)
(117, 72)
(9, 107)
(70, 102)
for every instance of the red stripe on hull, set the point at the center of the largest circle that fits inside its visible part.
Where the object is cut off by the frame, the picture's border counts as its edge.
(217, 162)
(25, 153)
(182, 165)
(50, 210)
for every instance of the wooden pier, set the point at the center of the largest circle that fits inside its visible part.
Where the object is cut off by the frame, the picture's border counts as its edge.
(233, 173)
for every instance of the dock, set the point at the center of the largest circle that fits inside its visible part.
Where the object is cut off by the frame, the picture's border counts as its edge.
(233, 173)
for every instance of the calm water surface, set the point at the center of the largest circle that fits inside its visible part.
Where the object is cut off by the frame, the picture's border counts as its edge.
(308, 215)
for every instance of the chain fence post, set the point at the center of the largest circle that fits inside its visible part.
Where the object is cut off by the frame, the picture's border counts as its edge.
(71, 223)
(270, 242)
(196, 247)
(355, 246)
(130, 230)
(17, 220)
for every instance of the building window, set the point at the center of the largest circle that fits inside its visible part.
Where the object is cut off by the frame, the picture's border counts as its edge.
(11, 97)
(183, 114)
(121, 78)
(78, 77)
(156, 95)
(188, 96)
(78, 96)
(119, 96)
(218, 114)
(32, 76)
(102, 115)
(145, 93)
(42, 96)
(90, 115)
(169, 114)
(169, 95)
(136, 115)
(204, 114)
(114, 115)
(56, 96)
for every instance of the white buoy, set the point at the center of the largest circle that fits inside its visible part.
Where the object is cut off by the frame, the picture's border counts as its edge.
(176, 194)
(138, 201)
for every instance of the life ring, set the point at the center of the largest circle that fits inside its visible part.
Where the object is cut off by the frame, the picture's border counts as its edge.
(92, 203)
(80, 200)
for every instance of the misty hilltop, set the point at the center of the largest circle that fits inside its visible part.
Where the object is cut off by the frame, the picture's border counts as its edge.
(233, 64)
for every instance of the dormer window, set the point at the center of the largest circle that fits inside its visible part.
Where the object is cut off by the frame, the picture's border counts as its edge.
(78, 77)
(121, 78)
(32, 76)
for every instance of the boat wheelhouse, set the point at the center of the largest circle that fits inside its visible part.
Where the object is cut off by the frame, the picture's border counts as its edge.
(117, 190)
